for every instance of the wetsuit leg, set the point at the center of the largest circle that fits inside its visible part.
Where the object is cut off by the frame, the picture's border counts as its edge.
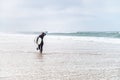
(41, 48)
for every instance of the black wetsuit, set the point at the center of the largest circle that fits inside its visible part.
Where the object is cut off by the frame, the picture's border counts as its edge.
(40, 46)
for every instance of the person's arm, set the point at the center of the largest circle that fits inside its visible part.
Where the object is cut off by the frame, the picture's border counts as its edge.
(44, 34)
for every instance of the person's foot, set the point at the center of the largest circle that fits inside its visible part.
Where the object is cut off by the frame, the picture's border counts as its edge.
(40, 52)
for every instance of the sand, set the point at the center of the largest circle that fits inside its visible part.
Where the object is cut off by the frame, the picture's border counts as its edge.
(64, 58)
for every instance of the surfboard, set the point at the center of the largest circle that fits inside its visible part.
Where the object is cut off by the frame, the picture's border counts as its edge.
(37, 42)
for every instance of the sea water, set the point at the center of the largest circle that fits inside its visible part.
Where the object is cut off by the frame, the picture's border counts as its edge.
(107, 37)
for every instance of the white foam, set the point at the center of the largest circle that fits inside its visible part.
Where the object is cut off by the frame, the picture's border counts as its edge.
(66, 38)
(80, 38)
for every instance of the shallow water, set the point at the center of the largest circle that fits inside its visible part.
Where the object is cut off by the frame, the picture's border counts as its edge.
(61, 59)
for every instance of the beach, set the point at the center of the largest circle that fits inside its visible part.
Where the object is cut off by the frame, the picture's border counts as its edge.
(63, 58)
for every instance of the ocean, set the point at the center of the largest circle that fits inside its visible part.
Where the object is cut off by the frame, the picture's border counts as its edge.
(91, 34)
(86, 34)
(107, 37)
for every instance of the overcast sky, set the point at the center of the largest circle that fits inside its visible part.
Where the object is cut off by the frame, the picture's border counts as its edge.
(60, 15)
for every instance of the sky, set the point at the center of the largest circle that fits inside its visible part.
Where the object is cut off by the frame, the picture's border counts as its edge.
(59, 15)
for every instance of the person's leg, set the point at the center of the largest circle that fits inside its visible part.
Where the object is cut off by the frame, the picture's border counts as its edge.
(41, 48)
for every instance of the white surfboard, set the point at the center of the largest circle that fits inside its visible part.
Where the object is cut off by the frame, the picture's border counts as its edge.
(37, 42)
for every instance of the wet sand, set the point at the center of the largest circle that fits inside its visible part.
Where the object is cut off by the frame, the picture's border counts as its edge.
(62, 59)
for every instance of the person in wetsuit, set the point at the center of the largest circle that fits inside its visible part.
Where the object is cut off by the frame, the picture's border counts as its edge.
(40, 46)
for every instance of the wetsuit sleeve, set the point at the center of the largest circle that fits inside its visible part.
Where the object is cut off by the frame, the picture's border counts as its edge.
(44, 34)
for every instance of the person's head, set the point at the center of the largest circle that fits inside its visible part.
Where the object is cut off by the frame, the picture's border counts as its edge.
(43, 34)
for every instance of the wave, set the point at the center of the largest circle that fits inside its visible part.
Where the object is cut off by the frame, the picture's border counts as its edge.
(88, 34)
(107, 37)
(91, 34)
(84, 38)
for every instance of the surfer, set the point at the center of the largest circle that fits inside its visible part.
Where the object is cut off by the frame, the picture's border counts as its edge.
(40, 46)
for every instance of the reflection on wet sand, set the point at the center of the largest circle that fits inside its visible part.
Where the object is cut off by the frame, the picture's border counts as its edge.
(39, 55)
